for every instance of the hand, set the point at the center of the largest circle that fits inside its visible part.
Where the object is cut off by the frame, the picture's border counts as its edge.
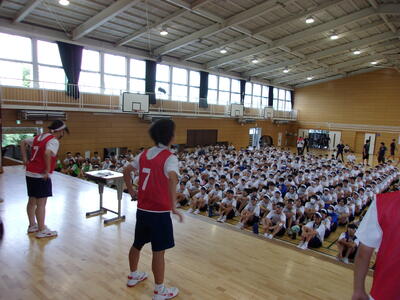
(360, 295)
(178, 213)
(133, 195)
(46, 176)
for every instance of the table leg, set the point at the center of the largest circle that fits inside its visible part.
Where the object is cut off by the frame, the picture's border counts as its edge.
(101, 210)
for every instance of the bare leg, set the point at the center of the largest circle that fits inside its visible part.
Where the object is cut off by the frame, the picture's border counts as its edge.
(30, 209)
(158, 266)
(40, 212)
(134, 255)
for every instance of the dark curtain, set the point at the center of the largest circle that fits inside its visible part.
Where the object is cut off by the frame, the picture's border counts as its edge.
(151, 67)
(242, 90)
(71, 58)
(292, 98)
(203, 89)
(271, 96)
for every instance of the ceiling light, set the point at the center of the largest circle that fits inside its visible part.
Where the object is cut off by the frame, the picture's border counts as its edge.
(310, 20)
(254, 61)
(164, 31)
(223, 51)
(310, 78)
(334, 36)
(356, 52)
(286, 70)
(63, 2)
(374, 62)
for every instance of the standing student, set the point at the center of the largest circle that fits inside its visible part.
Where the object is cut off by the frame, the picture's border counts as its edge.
(379, 229)
(158, 176)
(41, 164)
(381, 153)
(392, 149)
(365, 154)
(340, 148)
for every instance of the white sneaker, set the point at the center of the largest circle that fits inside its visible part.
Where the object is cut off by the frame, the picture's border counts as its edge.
(33, 228)
(345, 260)
(223, 219)
(305, 246)
(300, 245)
(165, 293)
(266, 235)
(46, 233)
(270, 236)
(135, 279)
(237, 214)
(178, 205)
(197, 211)
(190, 210)
(219, 219)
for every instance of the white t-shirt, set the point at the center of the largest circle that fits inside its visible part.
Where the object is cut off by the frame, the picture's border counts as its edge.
(354, 239)
(199, 195)
(171, 164)
(277, 218)
(51, 145)
(320, 230)
(370, 232)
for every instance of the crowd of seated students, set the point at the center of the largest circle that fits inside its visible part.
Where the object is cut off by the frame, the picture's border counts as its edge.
(278, 192)
(76, 165)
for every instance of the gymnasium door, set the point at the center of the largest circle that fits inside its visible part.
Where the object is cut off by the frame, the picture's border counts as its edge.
(279, 139)
(334, 139)
(254, 137)
(303, 133)
(371, 138)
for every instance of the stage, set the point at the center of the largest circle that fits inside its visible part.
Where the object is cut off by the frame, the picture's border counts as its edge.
(88, 260)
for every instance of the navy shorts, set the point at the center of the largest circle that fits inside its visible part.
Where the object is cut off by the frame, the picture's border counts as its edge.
(154, 228)
(38, 187)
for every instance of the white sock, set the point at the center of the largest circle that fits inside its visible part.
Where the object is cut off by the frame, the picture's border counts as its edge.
(158, 287)
(135, 274)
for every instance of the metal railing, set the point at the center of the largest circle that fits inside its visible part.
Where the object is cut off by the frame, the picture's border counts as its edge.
(49, 95)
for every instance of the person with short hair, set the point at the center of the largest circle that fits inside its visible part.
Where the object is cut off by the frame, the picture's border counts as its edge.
(381, 153)
(39, 167)
(347, 244)
(158, 171)
(274, 223)
(247, 216)
(313, 233)
(365, 153)
(199, 201)
(392, 149)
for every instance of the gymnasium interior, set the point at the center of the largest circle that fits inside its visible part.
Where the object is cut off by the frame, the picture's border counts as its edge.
(236, 76)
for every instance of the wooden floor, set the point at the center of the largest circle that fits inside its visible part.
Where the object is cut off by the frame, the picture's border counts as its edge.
(89, 260)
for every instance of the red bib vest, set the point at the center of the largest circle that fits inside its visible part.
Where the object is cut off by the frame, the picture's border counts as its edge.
(153, 192)
(37, 162)
(387, 268)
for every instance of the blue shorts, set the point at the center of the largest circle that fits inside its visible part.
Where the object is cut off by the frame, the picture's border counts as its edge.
(154, 228)
(38, 187)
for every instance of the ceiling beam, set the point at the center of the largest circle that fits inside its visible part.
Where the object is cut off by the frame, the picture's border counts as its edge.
(389, 9)
(375, 5)
(320, 54)
(215, 28)
(295, 37)
(102, 17)
(175, 15)
(26, 10)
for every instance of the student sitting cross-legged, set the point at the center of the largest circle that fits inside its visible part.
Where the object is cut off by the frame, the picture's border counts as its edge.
(347, 244)
(247, 217)
(274, 223)
(226, 207)
(199, 202)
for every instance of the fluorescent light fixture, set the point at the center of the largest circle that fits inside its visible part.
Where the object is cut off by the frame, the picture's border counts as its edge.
(310, 20)
(286, 70)
(374, 62)
(334, 36)
(223, 51)
(356, 52)
(63, 2)
(163, 31)
(254, 61)
(310, 78)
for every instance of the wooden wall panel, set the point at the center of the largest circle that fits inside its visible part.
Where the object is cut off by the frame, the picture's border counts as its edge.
(95, 131)
(370, 98)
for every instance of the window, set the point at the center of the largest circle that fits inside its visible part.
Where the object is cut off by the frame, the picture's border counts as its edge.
(48, 54)
(51, 73)
(256, 103)
(16, 67)
(114, 64)
(115, 80)
(114, 85)
(235, 91)
(163, 82)
(89, 79)
(194, 86)
(224, 90)
(179, 86)
(264, 99)
(282, 100)
(212, 96)
(137, 83)
(248, 95)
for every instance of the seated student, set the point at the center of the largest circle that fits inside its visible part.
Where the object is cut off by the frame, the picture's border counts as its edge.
(291, 194)
(242, 200)
(343, 211)
(226, 207)
(86, 167)
(348, 244)
(312, 233)
(275, 221)
(214, 196)
(358, 203)
(194, 187)
(326, 198)
(67, 160)
(311, 207)
(182, 195)
(247, 215)
(277, 197)
(334, 217)
(246, 200)
(290, 213)
(265, 206)
(199, 201)
(351, 158)
(73, 169)
(106, 164)
(300, 216)
(326, 220)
